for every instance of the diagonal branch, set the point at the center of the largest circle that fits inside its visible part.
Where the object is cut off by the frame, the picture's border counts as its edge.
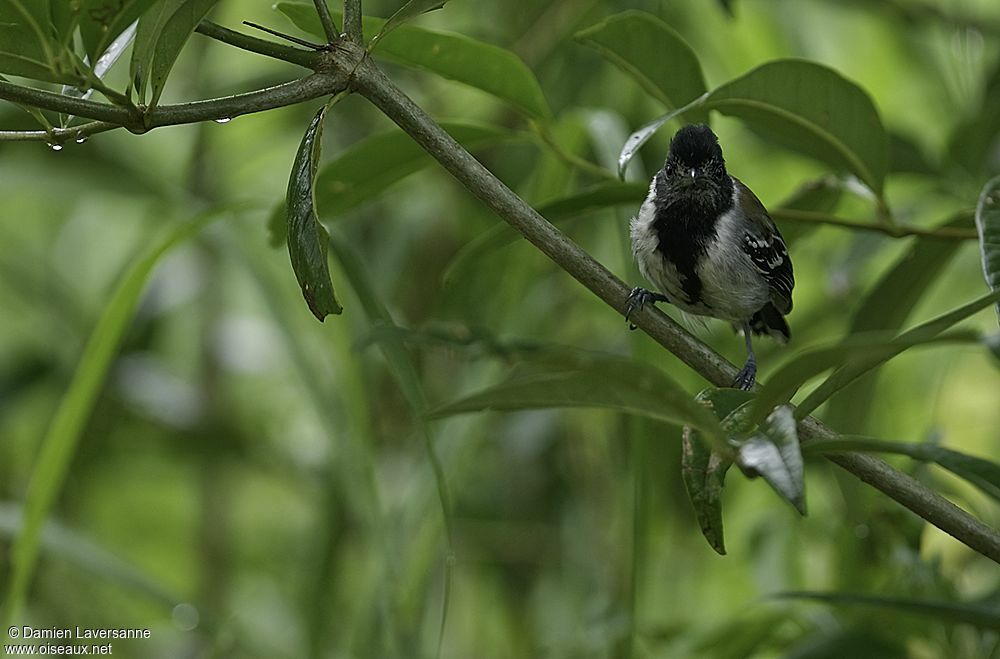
(374, 85)
(352, 21)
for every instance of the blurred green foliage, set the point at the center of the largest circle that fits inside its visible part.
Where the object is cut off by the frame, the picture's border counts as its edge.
(253, 483)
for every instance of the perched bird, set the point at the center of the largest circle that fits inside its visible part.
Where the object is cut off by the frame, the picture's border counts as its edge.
(707, 244)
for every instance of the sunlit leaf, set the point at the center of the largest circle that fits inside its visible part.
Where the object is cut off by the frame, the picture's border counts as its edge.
(174, 34)
(652, 53)
(977, 615)
(980, 472)
(988, 226)
(404, 14)
(490, 68)
(774, 453)
(790, 102)
(865, 359)
(60, 442)
(306, 237)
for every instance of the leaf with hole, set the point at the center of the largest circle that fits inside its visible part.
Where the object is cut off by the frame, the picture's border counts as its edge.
(307, 238)
(651, 53)
(988, 226)
(484, 66)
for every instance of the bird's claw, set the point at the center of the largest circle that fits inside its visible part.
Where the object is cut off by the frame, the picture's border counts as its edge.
(746, 378)
(637, 299)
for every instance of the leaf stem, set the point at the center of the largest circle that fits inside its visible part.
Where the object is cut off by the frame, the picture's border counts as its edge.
(329, 27)
(894, 230)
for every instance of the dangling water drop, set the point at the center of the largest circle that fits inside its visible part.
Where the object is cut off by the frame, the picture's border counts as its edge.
(80, 139)
(55, 146)
(224, 120)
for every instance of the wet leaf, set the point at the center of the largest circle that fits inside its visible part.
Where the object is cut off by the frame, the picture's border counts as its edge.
(988, 226)
(774, 453)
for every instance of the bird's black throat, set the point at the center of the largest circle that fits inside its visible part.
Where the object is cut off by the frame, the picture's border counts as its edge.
(685, 225)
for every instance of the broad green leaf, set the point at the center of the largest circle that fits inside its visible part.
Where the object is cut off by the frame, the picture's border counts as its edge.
(774, 453)
(980, 472)
(175, 33)
(886, 307)
(704, 470)
(592, 380)
(988, 226)
(101, 21)
(60, 441)
(484, 66)
(977, 615)
(27, 46)
(404, 14)
(148, 31)
(604, 195)
(306, 237)
(864, 360)
(791, 102)
(368, 168)
(652, 53)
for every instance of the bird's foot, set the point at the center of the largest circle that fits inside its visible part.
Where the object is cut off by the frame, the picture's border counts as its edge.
(637, 299)
(747, 376)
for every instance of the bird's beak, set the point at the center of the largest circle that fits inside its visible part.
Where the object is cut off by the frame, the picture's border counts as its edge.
(693, 172)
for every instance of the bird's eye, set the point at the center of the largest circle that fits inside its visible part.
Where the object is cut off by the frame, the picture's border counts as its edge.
(670, 169)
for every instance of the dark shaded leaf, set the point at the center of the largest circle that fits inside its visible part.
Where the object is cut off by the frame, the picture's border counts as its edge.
(307, 239)
(148, 31)
(173, 35)
(490, 68)
(404, 14)
(27, 48)
(980, 472)
(774, 453)
(988, 226)
(652, 53)
(977, 615)
(101, 21)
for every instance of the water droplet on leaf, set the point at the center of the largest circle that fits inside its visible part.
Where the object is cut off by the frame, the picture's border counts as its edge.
(55, 146)
(80, 139)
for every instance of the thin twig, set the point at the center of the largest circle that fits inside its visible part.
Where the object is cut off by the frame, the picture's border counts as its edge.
(329, 27)
(304, 58)
(374, 85)
(894, 230)
(352, 21)
(286, 37)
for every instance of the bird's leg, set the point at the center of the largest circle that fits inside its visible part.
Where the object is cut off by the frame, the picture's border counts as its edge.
(748, 374)
(637, 299)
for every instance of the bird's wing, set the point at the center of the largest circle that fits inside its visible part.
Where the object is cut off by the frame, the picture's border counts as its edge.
(763, 243)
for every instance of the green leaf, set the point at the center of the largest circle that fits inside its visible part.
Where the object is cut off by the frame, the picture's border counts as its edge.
(592, 380)
(307, 239)
(791, 102)
(988, 226)
(27, 47)
(980, 472)
(603, 195)
(977, 615)
(651, 52)
(148, 32)
(774, 453)
(66, 428)
(638, 138)
(404, 14)
(174, 34)
(820, 196)
(375, 163)
(863, 359)
(704, 470)
(101, 21)
(490, 68)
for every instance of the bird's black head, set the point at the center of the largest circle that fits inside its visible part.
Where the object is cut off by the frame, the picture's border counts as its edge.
(695, 172)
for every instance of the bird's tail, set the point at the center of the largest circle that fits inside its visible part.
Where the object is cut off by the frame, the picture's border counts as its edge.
(770, 321)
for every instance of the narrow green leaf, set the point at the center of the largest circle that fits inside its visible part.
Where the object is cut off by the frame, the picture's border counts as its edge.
(592, 380)
(404, 14)
(980, 472)
(102, 20)
(375, 163)
(774, 453)
(988, 225)
(652, 53)
(603, 195)
(307, 239)
(174, 34)
(490, 68)
(704, 470)
(865, 359)
(789, 102)
(148, 31)
(62, 437)
(977, 615)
